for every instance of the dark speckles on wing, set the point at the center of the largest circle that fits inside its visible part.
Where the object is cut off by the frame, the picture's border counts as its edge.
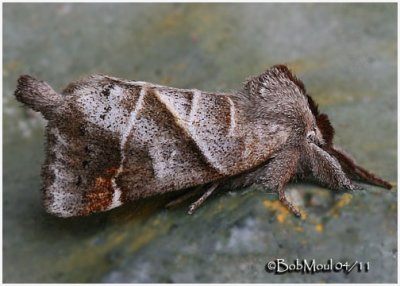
(106, 90)
(129, 101)
(155, 139)
(163, 154)
(109, 104)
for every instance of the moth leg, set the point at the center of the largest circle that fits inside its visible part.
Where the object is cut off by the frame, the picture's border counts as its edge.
(285, 202)
(327, 170)
(184, 197)
(194, 206)
(279, 172)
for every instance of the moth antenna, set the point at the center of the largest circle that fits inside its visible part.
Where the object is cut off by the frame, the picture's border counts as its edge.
(38, 95)
(202, 199)
(184, 197)
(359, 173)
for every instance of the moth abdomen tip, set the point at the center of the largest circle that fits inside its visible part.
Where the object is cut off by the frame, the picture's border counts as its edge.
(37, 94)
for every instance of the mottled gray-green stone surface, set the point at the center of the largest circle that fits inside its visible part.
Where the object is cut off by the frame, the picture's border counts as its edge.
(346, 54)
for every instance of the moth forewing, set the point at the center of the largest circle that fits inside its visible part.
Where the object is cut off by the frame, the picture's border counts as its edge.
(113, 141)
(110, 141)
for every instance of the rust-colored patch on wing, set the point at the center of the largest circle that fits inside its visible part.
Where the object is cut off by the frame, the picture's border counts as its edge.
(100, 197)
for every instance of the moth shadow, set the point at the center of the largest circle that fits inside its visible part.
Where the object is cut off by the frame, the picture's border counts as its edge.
(86, 226)
(313, 198)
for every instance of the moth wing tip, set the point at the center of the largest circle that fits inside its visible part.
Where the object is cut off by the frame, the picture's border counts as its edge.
(62, 204)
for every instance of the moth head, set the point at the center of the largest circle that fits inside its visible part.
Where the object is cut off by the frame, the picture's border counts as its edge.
(322, 136)
(279, 98)
(315, 136)
(322, 131)
(278, 93)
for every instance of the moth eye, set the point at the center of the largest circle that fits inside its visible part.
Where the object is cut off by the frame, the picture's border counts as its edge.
(311, 135)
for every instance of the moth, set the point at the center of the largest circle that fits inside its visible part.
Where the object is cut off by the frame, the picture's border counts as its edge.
(111, 141)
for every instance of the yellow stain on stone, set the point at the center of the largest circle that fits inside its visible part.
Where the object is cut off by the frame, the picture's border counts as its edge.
(281, 211)
(319, 227)
(299, 229)
(344, 200)
(281, 217)
(304, 214)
